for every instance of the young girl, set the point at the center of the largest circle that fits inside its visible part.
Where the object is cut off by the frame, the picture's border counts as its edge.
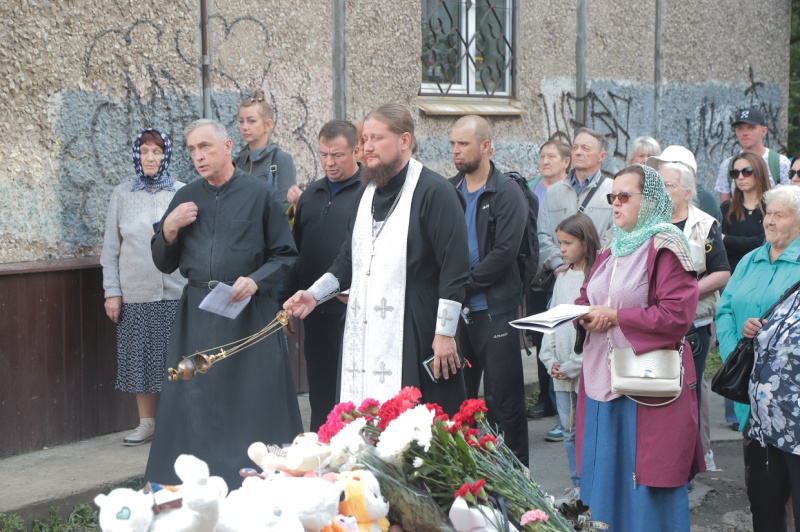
(261, 157)
(579, 243)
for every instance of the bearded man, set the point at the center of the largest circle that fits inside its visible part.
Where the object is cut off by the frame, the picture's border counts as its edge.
(406, 262)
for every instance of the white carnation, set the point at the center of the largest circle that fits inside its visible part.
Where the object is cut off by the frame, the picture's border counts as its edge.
(412, 425)
(347, 443)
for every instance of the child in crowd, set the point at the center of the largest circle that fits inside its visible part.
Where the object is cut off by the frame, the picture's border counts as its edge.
(579, 244)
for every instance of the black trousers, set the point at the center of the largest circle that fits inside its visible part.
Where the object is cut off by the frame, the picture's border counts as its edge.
(491, 346)
(700, 355)
(771, 475)
(322, 347)
(536, 303)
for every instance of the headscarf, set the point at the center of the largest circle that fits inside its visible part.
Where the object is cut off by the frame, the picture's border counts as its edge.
(655, 214)
(163, 180)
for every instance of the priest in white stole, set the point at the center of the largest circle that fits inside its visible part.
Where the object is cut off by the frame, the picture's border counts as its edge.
(405, 262)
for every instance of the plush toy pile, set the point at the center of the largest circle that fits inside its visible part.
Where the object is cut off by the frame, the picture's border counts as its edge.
(401, 460)
(286, 495)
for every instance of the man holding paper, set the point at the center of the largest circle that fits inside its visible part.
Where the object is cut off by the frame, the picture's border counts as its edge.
(227, 228)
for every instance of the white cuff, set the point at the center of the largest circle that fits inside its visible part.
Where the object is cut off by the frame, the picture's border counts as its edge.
(447, 317)
(325, 288)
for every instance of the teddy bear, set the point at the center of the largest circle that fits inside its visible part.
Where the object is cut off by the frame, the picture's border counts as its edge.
(191, 507)
(313, 501)
(363, 500)
(248, 510)
(305, 454)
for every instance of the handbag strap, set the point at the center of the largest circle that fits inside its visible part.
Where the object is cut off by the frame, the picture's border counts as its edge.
(610, 347)
(608, 303)
(592, 192)
(789, 291)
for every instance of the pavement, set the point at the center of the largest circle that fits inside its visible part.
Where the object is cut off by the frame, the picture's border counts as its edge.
(65, 475)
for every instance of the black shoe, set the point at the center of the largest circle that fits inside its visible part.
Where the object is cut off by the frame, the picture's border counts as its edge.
(541, 410)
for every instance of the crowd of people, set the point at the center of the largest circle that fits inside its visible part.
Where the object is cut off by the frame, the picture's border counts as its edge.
(405, 278)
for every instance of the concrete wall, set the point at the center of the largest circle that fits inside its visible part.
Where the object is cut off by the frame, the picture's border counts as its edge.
(81, 79)
(84, 78)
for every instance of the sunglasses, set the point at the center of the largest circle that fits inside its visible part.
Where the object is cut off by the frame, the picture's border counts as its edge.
(793, 173)
(622, 196)
(746, 172)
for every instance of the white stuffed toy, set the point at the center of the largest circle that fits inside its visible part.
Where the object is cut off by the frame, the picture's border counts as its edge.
(193, 507)
(313, 501)
(305, 454)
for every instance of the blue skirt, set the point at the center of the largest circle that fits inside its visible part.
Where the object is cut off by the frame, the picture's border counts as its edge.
(607, 466)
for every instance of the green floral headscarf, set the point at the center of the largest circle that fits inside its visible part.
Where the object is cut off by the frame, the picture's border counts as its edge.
(654, 216)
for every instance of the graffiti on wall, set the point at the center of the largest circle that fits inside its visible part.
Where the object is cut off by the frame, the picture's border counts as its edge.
(697, 116)
(146, 75)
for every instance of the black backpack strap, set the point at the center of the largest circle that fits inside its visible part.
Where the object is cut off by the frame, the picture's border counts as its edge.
(591, 194)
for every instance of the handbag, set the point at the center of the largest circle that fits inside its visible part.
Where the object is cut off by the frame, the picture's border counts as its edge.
(732, 380)
(543, 281)
(657, 373)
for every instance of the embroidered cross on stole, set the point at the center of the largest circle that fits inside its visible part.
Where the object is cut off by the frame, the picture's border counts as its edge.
(372, 350)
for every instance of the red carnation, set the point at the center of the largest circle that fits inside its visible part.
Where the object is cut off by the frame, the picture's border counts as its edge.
(462, 491)
(406, 398)
(476, 487)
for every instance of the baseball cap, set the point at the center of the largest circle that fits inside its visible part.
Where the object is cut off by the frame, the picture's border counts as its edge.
(751, 115)
(673, 154)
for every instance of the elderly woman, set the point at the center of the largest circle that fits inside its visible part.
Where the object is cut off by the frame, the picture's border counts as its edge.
(708, 256)
(262, 157)
(771, 451)
(140, 299)
(761, 276)
(636, 459)
(641, 149)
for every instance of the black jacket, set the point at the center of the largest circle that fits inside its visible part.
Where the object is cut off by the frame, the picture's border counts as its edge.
(497, 273)
(320, 228)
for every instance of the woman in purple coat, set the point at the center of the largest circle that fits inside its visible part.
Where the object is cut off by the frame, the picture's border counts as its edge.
(636, 459)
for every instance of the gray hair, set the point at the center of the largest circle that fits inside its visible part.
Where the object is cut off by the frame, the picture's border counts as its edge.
(688, 181)
(602, 142)
(219, 130)
(787, 194)
(650, 145)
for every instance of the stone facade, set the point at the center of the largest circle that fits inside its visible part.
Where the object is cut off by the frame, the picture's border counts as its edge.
(83, 77)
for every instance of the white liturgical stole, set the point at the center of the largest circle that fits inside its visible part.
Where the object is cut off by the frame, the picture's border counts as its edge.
(372, 347)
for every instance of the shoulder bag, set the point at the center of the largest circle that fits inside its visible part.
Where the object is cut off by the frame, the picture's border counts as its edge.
(657, 373)
(732, 380)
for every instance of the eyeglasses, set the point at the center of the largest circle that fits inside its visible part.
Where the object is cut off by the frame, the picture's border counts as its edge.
(622, 196)
(793, 173)
(746, 172)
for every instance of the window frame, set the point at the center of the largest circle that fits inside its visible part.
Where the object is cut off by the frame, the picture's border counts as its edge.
(468, 14)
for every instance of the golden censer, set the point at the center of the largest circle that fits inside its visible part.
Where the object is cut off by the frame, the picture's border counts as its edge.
(201, 361)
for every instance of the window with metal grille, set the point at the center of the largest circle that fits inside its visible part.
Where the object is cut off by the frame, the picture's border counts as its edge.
(468, 48)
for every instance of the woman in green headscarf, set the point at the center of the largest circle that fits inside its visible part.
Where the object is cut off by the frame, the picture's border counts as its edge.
(635, 459)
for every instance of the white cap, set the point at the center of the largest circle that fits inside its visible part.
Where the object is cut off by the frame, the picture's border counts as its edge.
(673, 154)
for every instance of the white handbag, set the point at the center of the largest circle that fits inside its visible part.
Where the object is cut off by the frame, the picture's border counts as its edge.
(657, 373)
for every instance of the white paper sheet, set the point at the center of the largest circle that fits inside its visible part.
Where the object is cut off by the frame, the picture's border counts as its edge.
(218, 301)
(549, 321)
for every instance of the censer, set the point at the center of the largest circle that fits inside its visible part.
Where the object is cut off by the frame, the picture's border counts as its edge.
(201, 361)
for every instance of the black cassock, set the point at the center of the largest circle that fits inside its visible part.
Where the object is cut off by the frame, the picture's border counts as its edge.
(241, 230)
(438, 267)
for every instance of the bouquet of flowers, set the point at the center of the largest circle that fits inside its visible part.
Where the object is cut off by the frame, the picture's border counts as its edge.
(421, 455)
